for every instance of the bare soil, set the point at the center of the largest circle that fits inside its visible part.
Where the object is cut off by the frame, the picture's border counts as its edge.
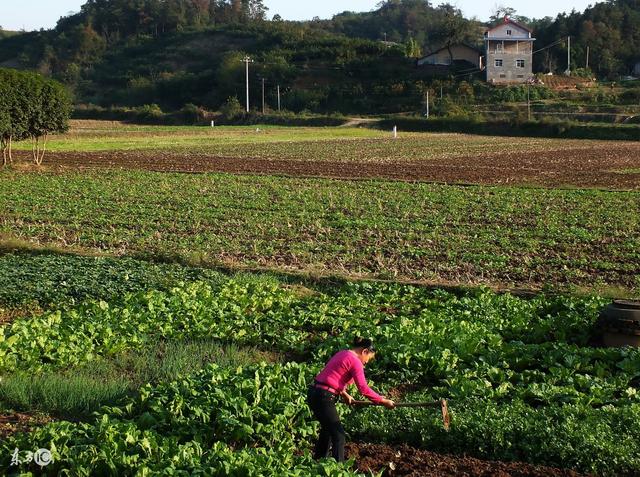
(612, 167)
(407, 461)
(8, 315)
(566, 83)
(20, 422)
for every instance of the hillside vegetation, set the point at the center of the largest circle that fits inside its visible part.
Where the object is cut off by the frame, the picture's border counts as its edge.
(179, 52)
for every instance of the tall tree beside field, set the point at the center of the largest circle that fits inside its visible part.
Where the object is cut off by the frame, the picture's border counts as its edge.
(5, 124)
(31, 107)
(13, 111)
(51, 109)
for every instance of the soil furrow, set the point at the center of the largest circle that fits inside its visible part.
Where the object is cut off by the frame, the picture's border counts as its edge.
(591, 169)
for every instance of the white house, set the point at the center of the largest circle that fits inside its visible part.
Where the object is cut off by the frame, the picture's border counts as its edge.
(509, 53)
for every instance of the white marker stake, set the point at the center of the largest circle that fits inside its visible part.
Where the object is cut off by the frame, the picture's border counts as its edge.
(213, 124)
(395, 132)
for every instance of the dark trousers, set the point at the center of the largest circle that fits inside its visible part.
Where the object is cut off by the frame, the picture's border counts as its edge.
(323, 406)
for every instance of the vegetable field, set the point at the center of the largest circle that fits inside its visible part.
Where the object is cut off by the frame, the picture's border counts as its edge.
(519, 237)
(158, 322)
(522, 380)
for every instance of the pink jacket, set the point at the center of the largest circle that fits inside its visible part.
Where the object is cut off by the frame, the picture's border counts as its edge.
(343, 369)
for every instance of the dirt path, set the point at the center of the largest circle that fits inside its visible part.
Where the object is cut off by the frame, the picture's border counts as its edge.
(357, 122)
(407, 461)
(573, 168)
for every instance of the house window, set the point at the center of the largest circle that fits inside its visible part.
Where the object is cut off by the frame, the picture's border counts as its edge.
(498, 63)
(520, 76)
(509, 32)
(519, 63)
(502, 75)
(499, 47)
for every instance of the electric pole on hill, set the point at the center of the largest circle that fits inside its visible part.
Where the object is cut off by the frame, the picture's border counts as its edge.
(569, 55)
(246, 60)
(263, 104)
(587, 65)
(427, 103)
(278, 97)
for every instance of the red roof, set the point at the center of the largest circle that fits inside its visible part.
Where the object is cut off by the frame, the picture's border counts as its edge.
(508, 20)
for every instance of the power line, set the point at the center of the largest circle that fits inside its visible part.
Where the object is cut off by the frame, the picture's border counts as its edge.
(468, 72)
(549, 46)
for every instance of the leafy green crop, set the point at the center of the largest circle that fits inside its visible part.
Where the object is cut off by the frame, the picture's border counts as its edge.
(384, 229)
(517, 370)
(219, 422)
(50, 279)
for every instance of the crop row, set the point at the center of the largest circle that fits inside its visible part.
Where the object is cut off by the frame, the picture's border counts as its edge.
(53, 280)
(491, 235)
(343, 144)
(522, 381)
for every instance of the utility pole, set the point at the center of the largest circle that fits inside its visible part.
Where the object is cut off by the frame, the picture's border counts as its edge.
(246, 60)
(263, 106)
(427, 104)
(278, 97)
(587, 66)
(569, 55)
(529, 101)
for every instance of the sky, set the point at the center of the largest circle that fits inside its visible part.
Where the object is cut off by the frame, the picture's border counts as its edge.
(36, 14)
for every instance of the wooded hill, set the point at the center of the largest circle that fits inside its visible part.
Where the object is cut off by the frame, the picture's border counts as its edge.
(175, 52)
(7, 33)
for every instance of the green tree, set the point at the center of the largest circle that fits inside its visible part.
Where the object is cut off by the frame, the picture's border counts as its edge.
(14, 111)
(50, 112)
(232, 109)
(276, 69)
(454, 28)
(31, 107)
(5, 122)
(230, 75)
(412, 49)
(256, 10)
(500, 12)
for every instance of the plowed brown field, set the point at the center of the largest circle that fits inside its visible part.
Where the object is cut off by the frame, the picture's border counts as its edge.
(613, 167)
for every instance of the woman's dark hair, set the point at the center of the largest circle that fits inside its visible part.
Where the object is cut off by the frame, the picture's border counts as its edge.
(359, 342)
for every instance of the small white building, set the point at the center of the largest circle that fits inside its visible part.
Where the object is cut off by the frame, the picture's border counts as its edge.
(509, 53)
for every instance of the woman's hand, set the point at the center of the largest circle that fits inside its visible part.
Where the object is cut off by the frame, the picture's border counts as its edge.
(349, 401)
(388, 403)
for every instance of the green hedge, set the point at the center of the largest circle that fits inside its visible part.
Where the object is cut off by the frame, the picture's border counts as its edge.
(194, 115)
(542, 128)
